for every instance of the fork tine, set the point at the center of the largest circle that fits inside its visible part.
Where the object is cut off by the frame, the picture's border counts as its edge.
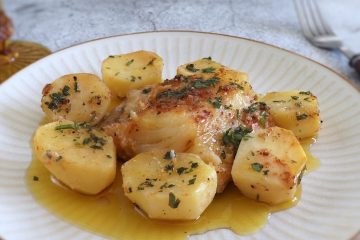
(302, 19)
(315, 14)
(322, 21)
(309, 16)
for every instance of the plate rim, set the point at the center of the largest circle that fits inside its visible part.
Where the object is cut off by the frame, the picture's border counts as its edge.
(340, 75)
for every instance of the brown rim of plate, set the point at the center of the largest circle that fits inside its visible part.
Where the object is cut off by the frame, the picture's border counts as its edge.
(199, 32)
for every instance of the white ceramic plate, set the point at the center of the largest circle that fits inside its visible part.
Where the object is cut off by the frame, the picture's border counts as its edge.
(330, 204)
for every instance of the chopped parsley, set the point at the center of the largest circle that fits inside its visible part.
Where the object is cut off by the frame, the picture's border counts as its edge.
(194, 165)
(35, 178)
(257, 167)
(265, 172)
(149, 182)
(207, 58)
(200, 83)
(191, 68)
(181, 93)
(192, 181)
(295, 97)
(301, 116)
(129, 62)
(58, 98)
(173, 201)
(98, 142)
(233, 136)
(169, 167)
(208, 70)
(301, 175)
(215, 102)
(67, 126)
(262, 119)
(58, 158)
(306, 93)
(151, 62)
(166, 185)
(181, 170)
(146, 90)
(237, 113)
(76, 85)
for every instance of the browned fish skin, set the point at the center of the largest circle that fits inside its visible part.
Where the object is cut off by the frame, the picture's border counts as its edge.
(196, 110)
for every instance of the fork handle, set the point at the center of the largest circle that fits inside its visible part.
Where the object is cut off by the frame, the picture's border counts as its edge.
(355, 62)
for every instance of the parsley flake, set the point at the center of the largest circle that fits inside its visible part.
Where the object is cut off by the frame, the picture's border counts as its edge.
(257, 167)
(173, 201)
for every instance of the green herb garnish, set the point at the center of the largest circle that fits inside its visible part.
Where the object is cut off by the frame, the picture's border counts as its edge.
(148, 183)
(257, 167)
(181, 170)
(306, 93)
(233, 136)
(76, 85)
(129, 62)
(208, 70)
(173, 201)
(301, 116)
(58, 98)
(192, 181)
(191, 68)
(215, 102)
(146, 90)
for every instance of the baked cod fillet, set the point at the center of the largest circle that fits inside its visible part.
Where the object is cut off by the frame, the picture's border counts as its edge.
(190, 113)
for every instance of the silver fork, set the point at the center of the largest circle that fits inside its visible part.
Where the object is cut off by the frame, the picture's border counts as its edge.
(319, 33)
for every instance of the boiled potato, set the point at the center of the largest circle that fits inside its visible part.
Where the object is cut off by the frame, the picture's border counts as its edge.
(268, 165)
(169, 185)
(133, 70)
(78, 97)
(295, 110)
(80, 157)
(206, 68)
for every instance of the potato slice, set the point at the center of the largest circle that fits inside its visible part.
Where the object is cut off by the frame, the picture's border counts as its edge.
(84, 159)
(268, 165)
(133, 70)
(295, 110)
(78, 97)
(206, 68)
(169, 185)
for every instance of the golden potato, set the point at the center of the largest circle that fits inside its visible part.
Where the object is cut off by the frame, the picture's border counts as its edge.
(297, 111)
(132, 70)
(79, 97)
(268, 165)
(82, 158)
(206, 68)
(169, 185)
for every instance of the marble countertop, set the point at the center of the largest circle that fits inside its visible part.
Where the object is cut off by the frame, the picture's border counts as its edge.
(61, 23)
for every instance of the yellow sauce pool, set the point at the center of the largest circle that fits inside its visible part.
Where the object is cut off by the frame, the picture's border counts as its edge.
(112, 215)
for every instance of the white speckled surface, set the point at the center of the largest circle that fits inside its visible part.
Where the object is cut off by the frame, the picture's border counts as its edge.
(61, 23)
